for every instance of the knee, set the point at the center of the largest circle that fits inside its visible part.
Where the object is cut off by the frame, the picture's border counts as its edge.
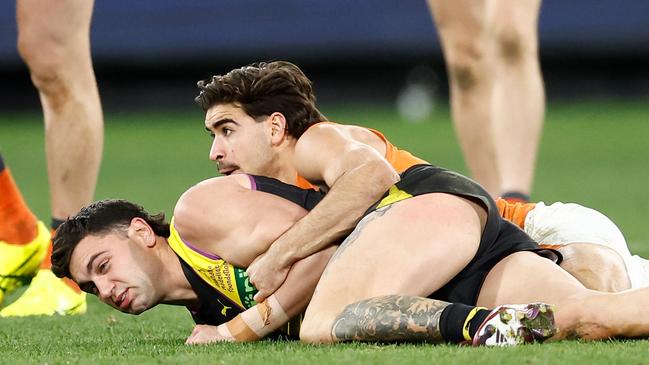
(45, 56)
(466, 63)
(514, 46)
(42, 53)
(584, 321)
(315, 331)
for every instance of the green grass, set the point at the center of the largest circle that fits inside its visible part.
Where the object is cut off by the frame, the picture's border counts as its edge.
(594, 153)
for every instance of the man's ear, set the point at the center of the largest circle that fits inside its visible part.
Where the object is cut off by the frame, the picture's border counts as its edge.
(278, 128)
(140, 230)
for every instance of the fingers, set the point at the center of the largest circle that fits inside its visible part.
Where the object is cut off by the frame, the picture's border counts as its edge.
(192, 337)
(255, 274)
(266, 276)
(260, 297)
(253, 269)
(269, 283)
(204, 334)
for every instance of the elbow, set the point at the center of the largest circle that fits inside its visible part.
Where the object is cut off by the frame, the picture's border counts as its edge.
(364, 164)
(314, 333)
(383, 175)
(392, 176)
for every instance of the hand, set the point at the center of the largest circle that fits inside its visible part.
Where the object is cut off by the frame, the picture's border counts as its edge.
(266, 274)
(204, 334)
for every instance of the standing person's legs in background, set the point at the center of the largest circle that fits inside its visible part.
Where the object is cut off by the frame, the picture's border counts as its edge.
(497, 95)
(54, 41)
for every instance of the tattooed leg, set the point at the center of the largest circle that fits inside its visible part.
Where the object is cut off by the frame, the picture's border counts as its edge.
(374, 262)
(390, 318)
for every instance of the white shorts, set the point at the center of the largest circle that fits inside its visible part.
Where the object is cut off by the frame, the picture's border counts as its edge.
(566, 223)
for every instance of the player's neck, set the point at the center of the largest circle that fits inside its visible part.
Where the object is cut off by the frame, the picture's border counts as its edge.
(178, 290)
(284, 166)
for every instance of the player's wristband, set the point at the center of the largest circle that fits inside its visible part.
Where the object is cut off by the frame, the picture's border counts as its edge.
(240, 330)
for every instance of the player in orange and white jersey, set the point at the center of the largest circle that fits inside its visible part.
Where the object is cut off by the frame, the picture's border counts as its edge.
(594, 249)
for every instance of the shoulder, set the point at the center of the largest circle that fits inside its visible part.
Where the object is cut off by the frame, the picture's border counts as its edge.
(320, 133)
(206, 199)
(210, 188)
(339, 136)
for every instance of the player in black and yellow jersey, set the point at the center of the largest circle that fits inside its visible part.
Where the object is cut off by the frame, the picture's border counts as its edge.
(264, 121)
(134, 261)
(374, 288)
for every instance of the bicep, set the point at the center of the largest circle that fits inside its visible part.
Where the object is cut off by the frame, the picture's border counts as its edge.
(242, 225)
(222, 220)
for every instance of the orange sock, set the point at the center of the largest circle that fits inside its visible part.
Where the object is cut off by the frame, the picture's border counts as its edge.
(18, 225)
(47, 265)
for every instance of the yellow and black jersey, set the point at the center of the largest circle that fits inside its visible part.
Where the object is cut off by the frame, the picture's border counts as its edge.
(223, 289)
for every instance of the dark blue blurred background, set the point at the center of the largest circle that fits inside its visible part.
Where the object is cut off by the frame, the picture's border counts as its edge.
(588, 47)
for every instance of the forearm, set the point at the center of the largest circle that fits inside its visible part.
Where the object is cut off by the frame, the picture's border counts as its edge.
(251, 325)
(256, 322)
(290, 300)
(338, 213)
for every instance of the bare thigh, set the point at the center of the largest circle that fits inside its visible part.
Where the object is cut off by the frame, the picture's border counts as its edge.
(61, 22)
(525, 277)
(413, 247)
(514, 21)
(459, 18)
(581, 313)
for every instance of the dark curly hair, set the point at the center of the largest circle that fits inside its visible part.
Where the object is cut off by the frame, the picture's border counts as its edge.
(99, 218)
(262, 89)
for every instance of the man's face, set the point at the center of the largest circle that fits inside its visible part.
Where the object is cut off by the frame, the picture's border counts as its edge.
(240, 144)
(119, 270)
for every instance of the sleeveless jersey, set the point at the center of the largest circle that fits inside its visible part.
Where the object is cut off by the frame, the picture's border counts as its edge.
(517, 213)
(223, 290)
(514, 212)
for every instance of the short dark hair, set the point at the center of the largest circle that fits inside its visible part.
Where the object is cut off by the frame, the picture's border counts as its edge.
(98, 218)
(262, 89)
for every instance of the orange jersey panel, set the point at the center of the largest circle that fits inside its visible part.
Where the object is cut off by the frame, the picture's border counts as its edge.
(304, 183)
(401, 160)
(514, 212)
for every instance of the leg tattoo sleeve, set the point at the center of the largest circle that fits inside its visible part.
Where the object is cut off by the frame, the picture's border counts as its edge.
(390, 318)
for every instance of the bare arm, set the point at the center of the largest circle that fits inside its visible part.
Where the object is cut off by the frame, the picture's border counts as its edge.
(358, 176)
(264, 318)
(223, 216)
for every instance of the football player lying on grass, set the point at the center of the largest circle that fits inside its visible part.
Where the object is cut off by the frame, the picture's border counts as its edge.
(264, 120)
(435, 238)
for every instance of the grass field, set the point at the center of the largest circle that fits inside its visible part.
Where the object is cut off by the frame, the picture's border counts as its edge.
(593, 152)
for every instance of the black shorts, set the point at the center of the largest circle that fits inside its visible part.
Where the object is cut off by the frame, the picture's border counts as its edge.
(500, 238)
